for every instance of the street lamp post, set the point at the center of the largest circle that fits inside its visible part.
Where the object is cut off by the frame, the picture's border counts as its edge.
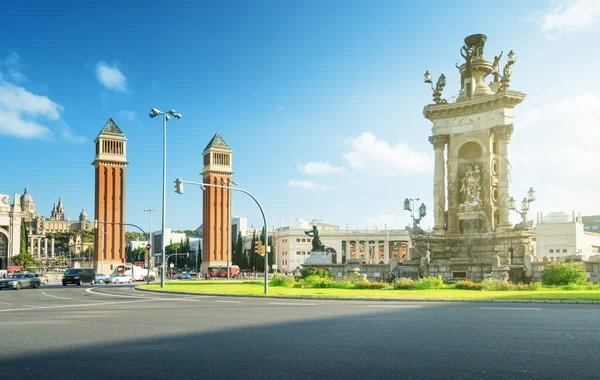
(166, 116)
(524, 207)
(408, 202)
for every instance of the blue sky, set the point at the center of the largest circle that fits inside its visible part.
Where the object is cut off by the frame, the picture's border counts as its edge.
(321, 102)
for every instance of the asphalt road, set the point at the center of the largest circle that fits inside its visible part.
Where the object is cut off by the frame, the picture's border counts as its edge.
(115, 332)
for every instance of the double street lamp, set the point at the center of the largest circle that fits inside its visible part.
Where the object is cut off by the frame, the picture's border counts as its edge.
(408, 202)
(166, 117)
(512, 205)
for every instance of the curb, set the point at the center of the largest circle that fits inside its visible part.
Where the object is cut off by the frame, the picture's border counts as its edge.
(374, 299)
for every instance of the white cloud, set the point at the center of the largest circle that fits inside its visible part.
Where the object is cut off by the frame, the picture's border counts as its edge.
(111, 77)
(568, 16)
(368, 154)
(19, 100)
(555, 150)
(12, 124)
(13, 66)
(129, 115)
(305, 184)
(319, 168)
(24, 114)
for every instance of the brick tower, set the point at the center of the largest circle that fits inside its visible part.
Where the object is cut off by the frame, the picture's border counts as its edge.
(110, 163)
(216, 171)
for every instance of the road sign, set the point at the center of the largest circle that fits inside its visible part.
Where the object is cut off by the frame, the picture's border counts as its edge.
(140, 263)
(171, 265)
(21, 262)
(148, 246)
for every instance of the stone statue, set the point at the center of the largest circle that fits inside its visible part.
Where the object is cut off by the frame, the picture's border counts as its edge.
(468, 56)
(471, 189)
(316, 241)
(507, 71)
(496, 67)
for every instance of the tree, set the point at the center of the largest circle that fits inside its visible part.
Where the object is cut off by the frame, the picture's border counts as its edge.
(28, 260)
(237, 251)
(23, 249)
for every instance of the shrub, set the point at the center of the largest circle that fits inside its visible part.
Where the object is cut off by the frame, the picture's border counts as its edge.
(285, 281)
(468, 285)
(403, 283)
(532, 286)
(317, 282)
(564, 274)
(319, 272)
(429, 283)
(370, 285)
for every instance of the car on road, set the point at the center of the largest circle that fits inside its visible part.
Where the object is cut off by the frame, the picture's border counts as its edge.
(43, 278)
(120, 279)
(184, 276)
(18, 281)
(79, 276)
(101, 278)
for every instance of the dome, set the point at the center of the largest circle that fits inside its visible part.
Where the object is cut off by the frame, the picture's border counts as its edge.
(26, 197)
(83, 216)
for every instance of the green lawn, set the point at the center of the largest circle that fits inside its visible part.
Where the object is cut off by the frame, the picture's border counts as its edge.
(257, 289)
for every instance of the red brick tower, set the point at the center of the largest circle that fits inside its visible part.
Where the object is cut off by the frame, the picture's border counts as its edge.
(217, 170)
(110, 164)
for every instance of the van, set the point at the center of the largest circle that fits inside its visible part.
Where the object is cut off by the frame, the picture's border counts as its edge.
(79, 276)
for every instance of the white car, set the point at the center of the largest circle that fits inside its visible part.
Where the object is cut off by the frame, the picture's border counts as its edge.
(120, 279)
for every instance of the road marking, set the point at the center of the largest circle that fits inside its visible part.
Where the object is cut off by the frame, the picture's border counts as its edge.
(398, 306)
(89, 290)
(33, 306)
(292, 304)
(510, 308)
(5, 303)
(62, 298)
(223, 301)
(30, 307)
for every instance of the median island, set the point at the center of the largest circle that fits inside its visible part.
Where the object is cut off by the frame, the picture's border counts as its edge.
(319, 285)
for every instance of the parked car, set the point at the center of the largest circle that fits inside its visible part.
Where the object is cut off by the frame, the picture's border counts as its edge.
(101, 278)
(120, 278)
(79, 276)
(18, 281)
(184, 276)
(43, 278)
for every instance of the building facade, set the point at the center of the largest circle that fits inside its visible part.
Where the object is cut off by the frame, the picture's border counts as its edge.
(10, 230)
(109, 206)
(216, 204)
(560, 234)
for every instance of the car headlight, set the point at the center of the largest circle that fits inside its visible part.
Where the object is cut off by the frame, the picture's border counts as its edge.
(76, 278)
(12, 282)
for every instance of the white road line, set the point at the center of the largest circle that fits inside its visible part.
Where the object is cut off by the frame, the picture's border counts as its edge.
(510, 308)
(223, 301)
(292, 304)
(29, 307)
(5, 303)
(398, 306)
(90, 290)
(62, 298)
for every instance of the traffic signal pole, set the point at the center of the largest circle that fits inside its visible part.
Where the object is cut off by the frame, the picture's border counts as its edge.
(179, 190)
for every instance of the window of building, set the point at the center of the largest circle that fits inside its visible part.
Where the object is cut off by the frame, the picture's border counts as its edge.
(303, 240)
(596, 220)
(595, 228)
(551, 251)
(586, 228)
(297, 240)
(564, 250)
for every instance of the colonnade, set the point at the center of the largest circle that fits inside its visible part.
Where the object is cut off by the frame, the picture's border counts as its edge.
(39, 239)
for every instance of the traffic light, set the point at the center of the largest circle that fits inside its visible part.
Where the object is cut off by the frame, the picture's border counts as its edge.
(259, 248)
(179, 186)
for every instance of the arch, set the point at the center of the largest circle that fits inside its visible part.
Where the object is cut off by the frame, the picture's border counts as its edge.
(470, 151)
(4, 244)
(455, 148)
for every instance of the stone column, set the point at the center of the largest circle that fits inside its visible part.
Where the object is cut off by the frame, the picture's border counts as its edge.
(502, 134)
(439, 197)
(31, 244)
(45, 247)
(52, 247)
(39, 248)
(453, 181)
(386, 251)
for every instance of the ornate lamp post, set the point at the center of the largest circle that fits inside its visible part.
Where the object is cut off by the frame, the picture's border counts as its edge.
(409, 205)
(524, 207)
(439, 87)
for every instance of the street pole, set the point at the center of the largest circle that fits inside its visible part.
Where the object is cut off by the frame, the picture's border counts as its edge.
(164, 202)
(266, 239)
(228, 227)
